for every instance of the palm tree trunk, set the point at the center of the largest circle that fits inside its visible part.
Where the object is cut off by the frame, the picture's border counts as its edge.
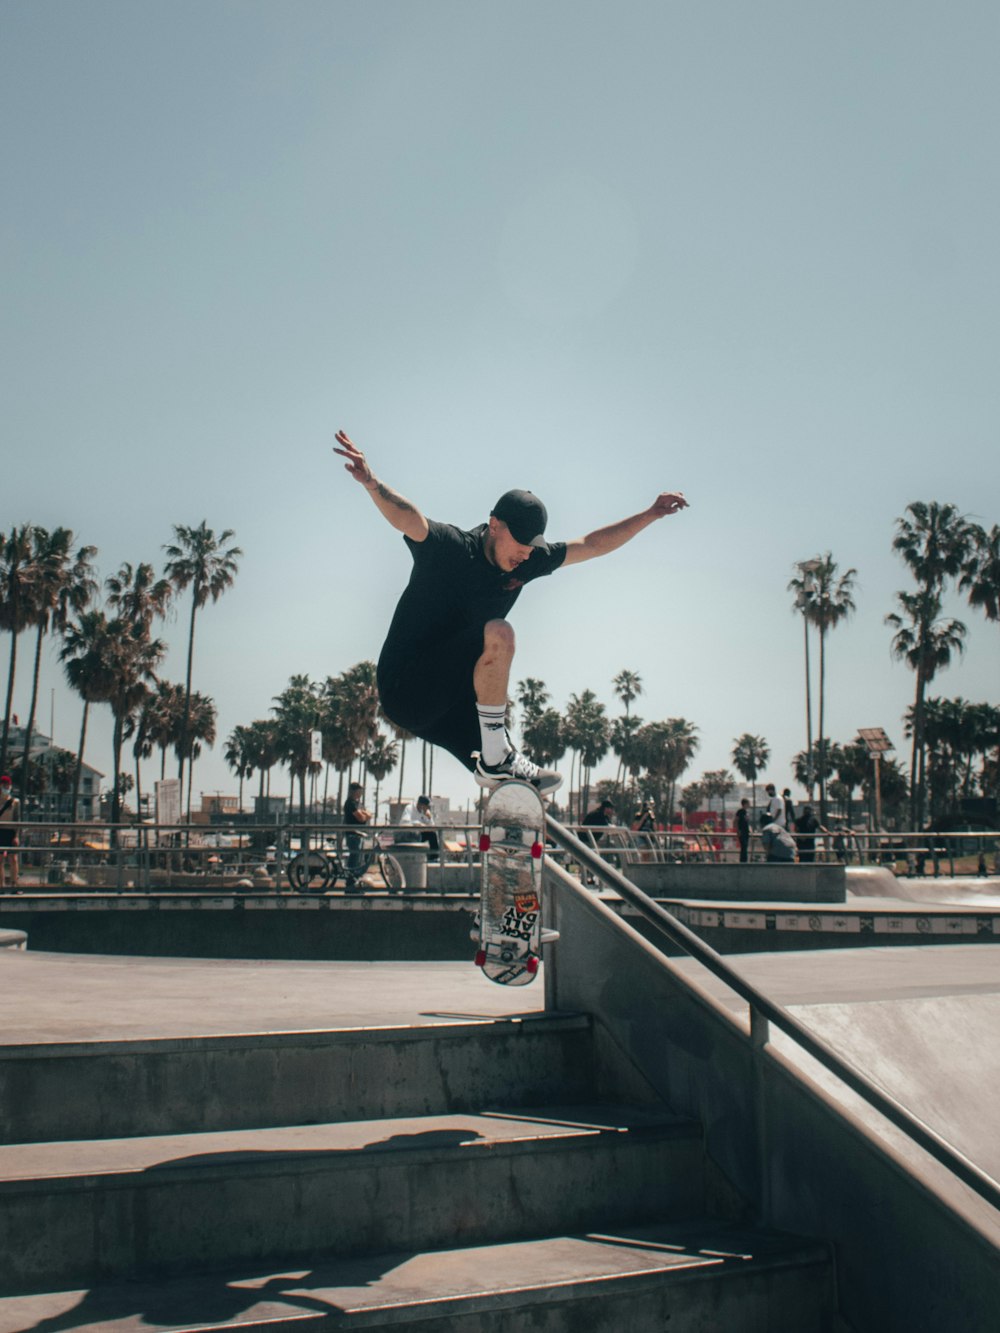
(79, 763)
(809, 724)
(31, 715)
(402, 765)
(916, 753)
(187, 691)
(10, 700)
(138, 789)
(116, 766)
(822, 739)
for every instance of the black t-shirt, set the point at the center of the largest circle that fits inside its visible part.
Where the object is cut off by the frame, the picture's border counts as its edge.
(351, 808)
(454, 588)
(596, 818)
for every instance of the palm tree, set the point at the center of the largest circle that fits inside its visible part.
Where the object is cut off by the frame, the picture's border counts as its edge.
(750, 758)
(936, 543)
(804, 588)
(164, 709)
(298, 712)
(831, 602)
(854, 766)
(532, 696)
(380, 760)
(17, 576)
(624, 730)
(401, 735)
(926, 642)
(545, 738)
(980, 578)
(628, 686)
(341, 741)
(586, 731)
(137, 595)
(132, 658)
(667, 749)
(200, 730)
(717, 784)
(820, 765)
(200, 559)
(238, 756)
(691, 798)
(63, 584)
(262, 750)
(85, 661)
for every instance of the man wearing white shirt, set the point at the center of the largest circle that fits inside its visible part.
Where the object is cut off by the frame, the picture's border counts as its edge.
(775, 808)
(418, 813)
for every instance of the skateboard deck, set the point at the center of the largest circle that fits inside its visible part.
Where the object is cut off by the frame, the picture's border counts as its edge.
(510, 913)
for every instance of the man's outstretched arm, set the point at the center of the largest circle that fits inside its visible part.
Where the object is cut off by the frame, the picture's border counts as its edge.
(404, 517)
(604, 540)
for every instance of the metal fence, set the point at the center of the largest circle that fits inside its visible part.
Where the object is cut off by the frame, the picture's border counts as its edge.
(149, 857)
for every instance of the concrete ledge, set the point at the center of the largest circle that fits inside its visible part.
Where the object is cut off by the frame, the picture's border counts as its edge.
(751, 882)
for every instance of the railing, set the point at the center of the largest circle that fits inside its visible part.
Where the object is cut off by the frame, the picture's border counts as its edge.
(904, 853)
(203, 858)
(764, 1012)
(210, 857)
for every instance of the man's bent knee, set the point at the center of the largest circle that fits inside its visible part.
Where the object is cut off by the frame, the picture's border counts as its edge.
(498, 639)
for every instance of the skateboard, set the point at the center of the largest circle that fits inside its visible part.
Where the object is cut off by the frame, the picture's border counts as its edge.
(510, 914)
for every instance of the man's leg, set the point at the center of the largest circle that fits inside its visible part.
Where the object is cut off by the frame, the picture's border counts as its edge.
(490, 681)
(498, 759)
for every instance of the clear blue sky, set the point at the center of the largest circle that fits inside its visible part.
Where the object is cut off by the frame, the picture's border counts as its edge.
(747, 251)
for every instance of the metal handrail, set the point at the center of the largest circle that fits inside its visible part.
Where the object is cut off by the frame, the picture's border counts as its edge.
(764, 1011)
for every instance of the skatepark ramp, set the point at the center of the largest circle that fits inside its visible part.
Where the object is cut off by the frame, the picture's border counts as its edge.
(811, 1143)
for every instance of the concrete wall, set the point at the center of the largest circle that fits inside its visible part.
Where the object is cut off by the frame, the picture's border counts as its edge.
(248, 927)
(915, 1250)
(752, 882)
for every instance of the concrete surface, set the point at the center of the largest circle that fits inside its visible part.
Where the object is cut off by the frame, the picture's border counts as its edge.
(920, 1022)
(499, 1281)
(70, 998)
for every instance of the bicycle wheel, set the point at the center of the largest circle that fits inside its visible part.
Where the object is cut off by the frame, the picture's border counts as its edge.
(309, 873)
(392, 873)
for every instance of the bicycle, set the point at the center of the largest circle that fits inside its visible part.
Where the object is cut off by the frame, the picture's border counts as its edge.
(317, 870)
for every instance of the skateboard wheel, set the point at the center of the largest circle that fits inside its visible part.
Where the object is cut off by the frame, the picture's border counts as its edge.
(536, 850)
(480, 957)
(531, 967)
(484, 842)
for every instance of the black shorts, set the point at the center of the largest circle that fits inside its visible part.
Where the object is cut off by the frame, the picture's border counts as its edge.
(429, 691)
(8, 837)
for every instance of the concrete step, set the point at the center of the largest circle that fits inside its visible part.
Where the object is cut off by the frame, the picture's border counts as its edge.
(109, 1089)
(78, 1211)
(689, 1276)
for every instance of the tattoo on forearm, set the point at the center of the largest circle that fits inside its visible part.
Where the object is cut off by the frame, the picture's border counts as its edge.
(386, 493)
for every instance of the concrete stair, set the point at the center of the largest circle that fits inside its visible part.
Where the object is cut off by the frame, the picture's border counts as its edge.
(478, 1176)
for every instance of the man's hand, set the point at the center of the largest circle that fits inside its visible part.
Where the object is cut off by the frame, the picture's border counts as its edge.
(670, 502)
(400, 513)
(357, 464)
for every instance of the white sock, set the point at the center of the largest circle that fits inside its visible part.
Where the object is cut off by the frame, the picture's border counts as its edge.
(493, 731)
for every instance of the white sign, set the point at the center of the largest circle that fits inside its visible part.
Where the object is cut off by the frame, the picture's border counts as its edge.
(168, 801)
(316, 742)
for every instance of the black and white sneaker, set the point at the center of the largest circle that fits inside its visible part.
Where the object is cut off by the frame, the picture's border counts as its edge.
(515, 765)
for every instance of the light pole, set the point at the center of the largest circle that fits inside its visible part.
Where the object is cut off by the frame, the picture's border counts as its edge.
(807, 592)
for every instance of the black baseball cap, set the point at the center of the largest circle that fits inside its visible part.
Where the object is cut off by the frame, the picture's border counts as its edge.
(525, 516)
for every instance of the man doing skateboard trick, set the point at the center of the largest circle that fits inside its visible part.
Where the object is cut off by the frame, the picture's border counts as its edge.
(444, 669)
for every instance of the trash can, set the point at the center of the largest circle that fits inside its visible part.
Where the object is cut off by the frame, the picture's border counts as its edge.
(412, 858)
